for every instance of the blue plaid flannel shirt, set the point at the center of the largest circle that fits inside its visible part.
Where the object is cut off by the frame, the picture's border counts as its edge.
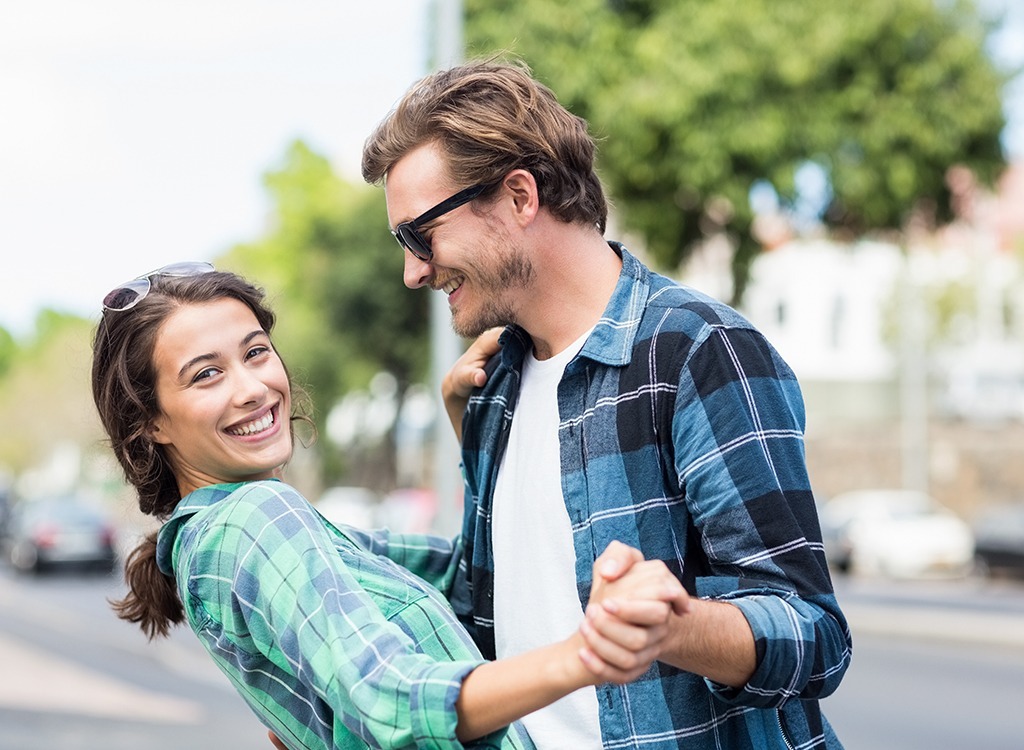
(681, 434)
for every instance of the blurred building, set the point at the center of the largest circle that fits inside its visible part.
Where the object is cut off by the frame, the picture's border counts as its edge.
(909, 354)
(823, 305)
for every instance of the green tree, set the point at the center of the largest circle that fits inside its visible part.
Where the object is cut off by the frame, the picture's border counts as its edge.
(334, 276)
(8, 347)
(695, 102)
(45, 396)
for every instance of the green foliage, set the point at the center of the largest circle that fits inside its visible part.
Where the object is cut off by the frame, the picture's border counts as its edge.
(45, 395)
(695, 101)
(8, 347)
(334, 277)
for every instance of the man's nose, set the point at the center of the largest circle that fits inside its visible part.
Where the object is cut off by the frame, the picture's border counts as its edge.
(417, 272)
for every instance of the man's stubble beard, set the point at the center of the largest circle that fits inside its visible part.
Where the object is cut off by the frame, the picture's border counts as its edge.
(513, 271)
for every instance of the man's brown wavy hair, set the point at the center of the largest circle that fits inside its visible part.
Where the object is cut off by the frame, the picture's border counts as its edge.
(488, 118)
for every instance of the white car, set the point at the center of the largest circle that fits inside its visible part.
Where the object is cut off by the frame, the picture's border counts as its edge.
(895, 533)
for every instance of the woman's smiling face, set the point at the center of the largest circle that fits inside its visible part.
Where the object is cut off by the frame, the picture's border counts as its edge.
(224, 396)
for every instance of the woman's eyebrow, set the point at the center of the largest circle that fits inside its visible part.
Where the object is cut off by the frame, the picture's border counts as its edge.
(213, 355)
(194, 361)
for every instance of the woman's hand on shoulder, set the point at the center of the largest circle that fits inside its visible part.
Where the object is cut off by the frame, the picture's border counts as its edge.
(467, 374)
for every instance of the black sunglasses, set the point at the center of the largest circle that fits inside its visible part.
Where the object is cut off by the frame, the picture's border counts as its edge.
(408, 232)
(130, 293)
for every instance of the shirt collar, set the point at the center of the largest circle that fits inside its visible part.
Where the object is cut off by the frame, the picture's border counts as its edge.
(187, 507)
(611, 342)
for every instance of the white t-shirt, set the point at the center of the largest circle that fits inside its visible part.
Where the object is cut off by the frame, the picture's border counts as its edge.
(535, 597)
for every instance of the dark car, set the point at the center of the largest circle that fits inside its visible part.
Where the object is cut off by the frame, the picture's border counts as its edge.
(5, 509)
(999, 541)
(59, 532)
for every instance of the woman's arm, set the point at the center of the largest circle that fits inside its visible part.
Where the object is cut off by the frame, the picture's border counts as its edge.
(497, 693)
(466, 374)
(298, 602)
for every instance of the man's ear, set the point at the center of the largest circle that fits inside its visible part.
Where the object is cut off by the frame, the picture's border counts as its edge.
(522, 186)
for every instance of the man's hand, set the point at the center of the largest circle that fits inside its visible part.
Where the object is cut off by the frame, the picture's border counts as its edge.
(618, 559)
(275, 741)
(466, 374)
(627, 620)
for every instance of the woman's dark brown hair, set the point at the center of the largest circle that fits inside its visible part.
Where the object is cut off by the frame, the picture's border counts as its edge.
(124, 390)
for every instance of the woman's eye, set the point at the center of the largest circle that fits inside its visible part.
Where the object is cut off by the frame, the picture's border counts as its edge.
(206, 374)
(257, 351)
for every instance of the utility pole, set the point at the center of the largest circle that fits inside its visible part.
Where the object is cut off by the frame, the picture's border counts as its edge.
(445, 345)
(913, 378)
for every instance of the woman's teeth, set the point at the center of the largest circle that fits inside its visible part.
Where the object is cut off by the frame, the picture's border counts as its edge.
(255, 426)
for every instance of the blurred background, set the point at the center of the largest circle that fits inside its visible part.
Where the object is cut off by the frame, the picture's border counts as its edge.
(850, 177)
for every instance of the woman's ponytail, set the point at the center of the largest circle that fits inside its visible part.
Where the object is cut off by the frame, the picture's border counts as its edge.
(152, 601)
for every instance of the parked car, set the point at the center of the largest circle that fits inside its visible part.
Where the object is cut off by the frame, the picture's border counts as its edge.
(999, 541)
(895, 533)
(5, 508)
(59, 532)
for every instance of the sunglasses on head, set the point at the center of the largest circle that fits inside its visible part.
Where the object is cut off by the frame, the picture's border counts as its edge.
(408, 232)
(130, 293)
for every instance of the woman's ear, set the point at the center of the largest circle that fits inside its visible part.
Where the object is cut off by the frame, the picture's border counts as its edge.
(154, 433)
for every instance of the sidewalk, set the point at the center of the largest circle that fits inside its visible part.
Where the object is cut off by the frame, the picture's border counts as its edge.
(964, 611)
(937, 623)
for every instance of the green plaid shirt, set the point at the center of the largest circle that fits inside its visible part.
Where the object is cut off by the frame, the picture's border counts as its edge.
(331, 645)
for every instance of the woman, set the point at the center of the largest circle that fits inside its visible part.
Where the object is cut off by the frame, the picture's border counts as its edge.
(331, 644)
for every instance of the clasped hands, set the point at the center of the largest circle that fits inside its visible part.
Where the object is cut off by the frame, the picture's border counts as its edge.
(626, 626)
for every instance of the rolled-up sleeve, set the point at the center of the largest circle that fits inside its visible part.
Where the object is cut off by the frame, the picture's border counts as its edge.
(740, 456)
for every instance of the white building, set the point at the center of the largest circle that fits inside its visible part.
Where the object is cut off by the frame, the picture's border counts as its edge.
(824, 307)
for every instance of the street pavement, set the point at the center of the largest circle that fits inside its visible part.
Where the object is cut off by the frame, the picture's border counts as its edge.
(68, 659)
(969, 610)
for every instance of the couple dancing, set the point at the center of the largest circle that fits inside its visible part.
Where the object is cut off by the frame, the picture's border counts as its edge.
(640, 563)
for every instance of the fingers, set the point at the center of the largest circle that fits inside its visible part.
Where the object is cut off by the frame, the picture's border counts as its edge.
(468, 372)
(604, 672)
(616, 559)
(275, 741)
(617, 651)
(640, 612)
(628, 620)
(486, 344)
(650, 579)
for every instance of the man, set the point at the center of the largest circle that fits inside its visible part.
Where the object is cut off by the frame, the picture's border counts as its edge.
(623, 407)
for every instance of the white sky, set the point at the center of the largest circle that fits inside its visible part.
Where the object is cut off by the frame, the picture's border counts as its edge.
(134, 133)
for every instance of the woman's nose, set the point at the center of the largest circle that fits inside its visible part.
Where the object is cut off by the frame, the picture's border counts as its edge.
(252, 389)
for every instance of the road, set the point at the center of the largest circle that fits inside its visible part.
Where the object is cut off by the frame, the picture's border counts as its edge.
(937, 666)
(76, 678)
